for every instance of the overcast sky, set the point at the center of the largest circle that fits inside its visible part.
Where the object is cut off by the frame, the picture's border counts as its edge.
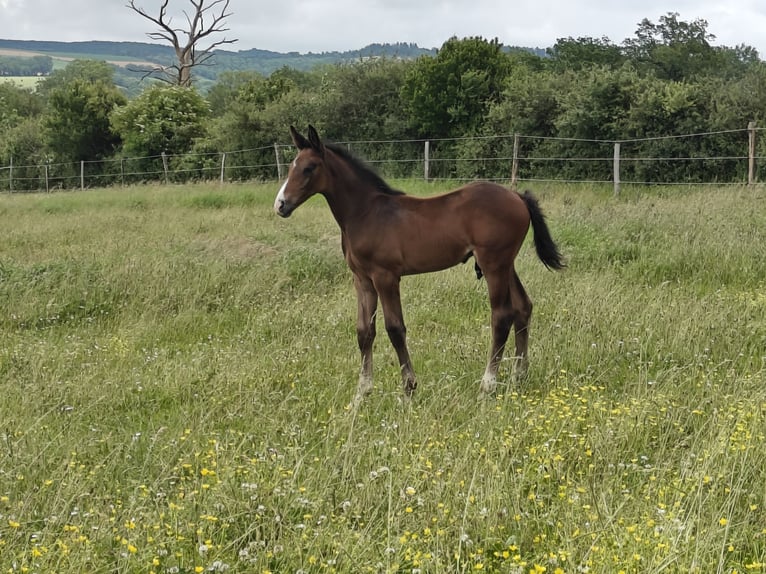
(327, 25)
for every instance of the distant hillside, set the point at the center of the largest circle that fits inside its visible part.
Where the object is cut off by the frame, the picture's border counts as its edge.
(263, 61)
(128, 56)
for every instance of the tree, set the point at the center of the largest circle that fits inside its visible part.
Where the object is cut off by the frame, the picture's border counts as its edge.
(86, 70)
(571, 54)
(448, 95)
(77, 120)
(17, 103)
(189, 54)
(163, 119)
(674, 49)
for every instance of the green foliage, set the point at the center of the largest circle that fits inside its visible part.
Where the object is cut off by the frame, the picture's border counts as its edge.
(584, 52)
(360, 101)
(668, 79)
(676, 50)
(86, 71)
(163, 119)
(448, 95)
(226, 90)
(17, 103)
(22, 145)
(77, 120)
(22, 66)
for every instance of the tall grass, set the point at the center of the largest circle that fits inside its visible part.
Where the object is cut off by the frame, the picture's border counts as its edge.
(177, 362)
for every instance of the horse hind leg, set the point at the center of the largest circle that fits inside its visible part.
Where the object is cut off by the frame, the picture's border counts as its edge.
(502, 318)
(522, 315)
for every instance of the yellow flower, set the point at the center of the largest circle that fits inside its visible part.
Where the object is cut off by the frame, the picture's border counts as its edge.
(13, 523)
(723, 522)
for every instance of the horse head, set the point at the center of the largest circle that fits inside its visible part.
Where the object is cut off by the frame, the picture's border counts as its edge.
(307, 175)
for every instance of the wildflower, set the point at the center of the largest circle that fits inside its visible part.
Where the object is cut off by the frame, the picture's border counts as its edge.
(723, 522)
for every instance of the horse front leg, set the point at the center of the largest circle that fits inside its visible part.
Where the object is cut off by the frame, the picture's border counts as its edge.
(367, 303)
(387, 287)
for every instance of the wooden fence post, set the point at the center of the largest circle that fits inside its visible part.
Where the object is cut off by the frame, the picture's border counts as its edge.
(223, 166)
(10, 177)
(82, 175)
(165, 166)
(750, 153)
(279, 162)
(426, 152)
(616, 168)
(122, 171)
(515, 162)
(47, 185)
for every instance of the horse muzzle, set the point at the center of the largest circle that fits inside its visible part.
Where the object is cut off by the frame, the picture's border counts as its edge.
(283, 208)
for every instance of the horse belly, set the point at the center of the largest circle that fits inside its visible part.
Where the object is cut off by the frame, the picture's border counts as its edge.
(433, 254)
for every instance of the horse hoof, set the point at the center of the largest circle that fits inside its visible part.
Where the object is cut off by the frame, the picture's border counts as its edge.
(488, 385)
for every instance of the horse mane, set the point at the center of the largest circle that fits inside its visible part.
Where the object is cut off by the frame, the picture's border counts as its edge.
(362, 170)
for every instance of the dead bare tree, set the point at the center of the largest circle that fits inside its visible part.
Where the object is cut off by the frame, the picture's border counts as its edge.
(189, 53)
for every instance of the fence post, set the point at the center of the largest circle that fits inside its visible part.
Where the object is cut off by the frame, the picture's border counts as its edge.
(279, 163)
(47, 185)
(10, 177)
(82, 175)
(616, 168)
(122, 171)
(165, 166)
(750, 153)
(515, 162)
(223, 165)
(426, 152)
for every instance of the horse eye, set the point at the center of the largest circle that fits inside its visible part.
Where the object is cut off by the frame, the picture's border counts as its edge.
(309, 169)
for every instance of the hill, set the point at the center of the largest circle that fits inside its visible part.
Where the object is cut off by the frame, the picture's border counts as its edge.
(132, 59)
(263, 61)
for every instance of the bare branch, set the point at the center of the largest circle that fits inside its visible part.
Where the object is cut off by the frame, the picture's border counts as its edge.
(189, 54)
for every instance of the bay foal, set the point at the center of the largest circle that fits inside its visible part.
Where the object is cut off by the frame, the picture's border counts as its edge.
(386, 234)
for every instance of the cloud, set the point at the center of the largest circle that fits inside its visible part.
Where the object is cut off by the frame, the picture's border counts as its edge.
(314, 26)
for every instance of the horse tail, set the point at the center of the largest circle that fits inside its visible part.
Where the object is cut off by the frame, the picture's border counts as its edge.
(546, 249)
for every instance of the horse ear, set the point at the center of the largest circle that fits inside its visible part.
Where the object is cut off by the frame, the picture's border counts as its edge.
(316, 143)
(299, 141)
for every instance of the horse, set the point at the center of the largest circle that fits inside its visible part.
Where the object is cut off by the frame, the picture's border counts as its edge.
(387, 234)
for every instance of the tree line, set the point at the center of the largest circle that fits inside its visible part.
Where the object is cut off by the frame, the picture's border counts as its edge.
(668, 78)
(32, 66)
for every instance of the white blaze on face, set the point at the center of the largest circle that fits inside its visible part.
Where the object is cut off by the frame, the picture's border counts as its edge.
(280, 197)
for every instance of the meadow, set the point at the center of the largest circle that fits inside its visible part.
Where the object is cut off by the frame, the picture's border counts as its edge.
(26, 82)
(177, 365)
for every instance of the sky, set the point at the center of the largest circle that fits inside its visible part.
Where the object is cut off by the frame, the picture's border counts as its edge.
(329, 25)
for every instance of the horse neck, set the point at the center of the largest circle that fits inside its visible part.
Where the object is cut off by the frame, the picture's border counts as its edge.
(348, 196)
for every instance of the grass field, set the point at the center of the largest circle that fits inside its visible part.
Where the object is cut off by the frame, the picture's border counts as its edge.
(177, 363)
(28, 82)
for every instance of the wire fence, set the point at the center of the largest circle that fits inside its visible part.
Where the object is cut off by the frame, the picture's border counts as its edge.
(716, 157)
